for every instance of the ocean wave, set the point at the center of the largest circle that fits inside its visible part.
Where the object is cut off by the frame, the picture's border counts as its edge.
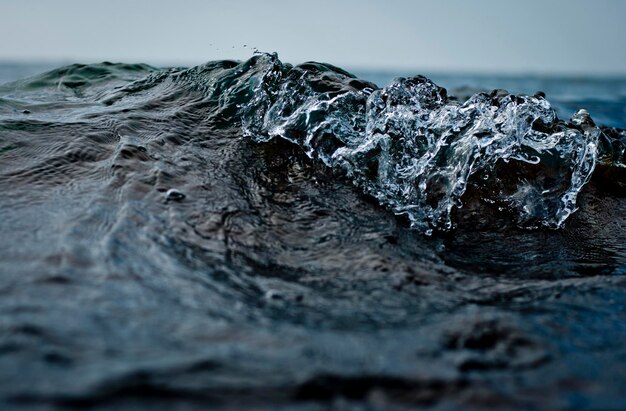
(417, 150)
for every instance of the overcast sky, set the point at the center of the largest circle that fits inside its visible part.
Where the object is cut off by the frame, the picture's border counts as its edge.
(522, 36)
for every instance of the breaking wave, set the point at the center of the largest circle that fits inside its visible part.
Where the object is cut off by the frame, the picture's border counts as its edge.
(166, 240)
(417, 150)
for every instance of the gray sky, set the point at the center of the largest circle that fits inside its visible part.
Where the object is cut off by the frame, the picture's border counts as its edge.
(538, 36)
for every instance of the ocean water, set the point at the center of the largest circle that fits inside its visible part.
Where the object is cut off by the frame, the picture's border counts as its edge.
(254, 235)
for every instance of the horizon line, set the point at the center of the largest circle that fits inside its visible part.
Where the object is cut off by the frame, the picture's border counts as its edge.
(352, 68)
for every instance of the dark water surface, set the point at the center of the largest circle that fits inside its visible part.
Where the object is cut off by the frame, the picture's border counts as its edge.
(167, 243)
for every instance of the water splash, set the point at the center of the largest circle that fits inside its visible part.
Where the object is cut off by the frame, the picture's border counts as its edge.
(417, 150)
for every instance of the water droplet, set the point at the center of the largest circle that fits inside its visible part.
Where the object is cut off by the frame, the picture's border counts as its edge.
(174, 195)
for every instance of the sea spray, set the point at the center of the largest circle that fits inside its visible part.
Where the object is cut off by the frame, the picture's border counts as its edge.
(417, 150)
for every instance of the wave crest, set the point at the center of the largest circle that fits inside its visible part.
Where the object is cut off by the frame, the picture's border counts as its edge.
(417, 150)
